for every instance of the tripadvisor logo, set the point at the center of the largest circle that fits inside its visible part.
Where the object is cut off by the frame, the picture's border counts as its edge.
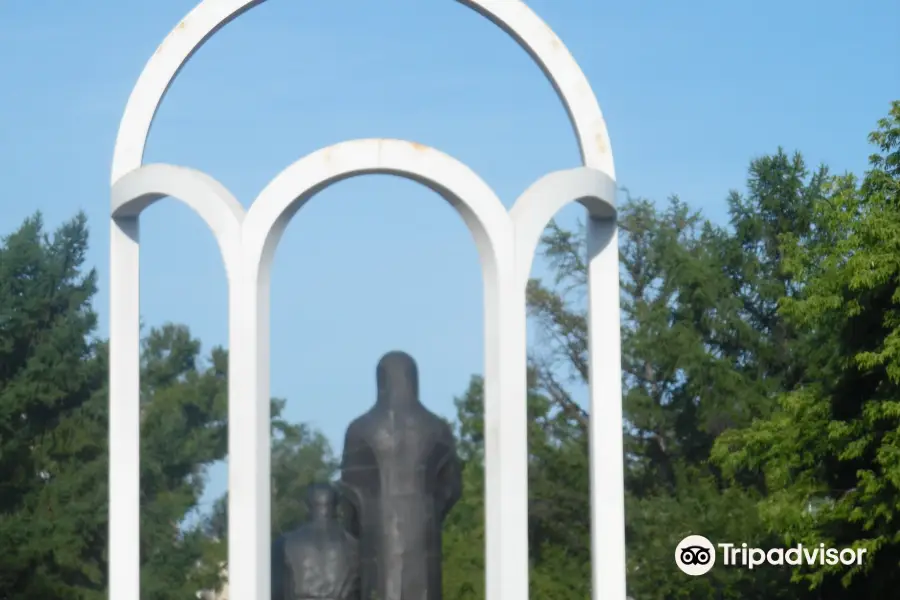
(696, 555)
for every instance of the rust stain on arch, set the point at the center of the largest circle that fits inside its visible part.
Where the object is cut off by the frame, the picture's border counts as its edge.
(600, 143)
(555, 43)
(180, 27)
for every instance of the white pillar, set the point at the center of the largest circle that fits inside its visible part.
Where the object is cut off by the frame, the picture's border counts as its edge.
(124, 410)
(249, 436)
(607, 456)
(131, 194)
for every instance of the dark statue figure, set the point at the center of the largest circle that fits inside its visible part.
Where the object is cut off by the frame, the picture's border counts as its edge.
(401, 474)
(318, 561)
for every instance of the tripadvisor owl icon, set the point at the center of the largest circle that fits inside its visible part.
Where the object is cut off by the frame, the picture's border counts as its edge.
(695, 555)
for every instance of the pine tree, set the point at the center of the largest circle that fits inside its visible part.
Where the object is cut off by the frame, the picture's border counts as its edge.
(51, 529)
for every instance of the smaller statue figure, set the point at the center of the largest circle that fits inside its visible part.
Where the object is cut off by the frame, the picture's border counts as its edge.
(320, 560)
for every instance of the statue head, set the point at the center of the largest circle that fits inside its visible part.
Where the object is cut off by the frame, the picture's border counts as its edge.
(398, 379)
(322, 500)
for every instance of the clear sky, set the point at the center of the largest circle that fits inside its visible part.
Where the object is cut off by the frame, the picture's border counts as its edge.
(691, 91)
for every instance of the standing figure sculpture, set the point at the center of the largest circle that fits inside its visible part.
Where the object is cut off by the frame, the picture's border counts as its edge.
(401, 473)
(318, 561)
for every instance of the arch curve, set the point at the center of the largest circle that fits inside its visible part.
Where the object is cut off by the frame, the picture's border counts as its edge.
(537, 205)
(211, 200)
(477, 204)
(512, 16)
(574, 90)
(530, 215)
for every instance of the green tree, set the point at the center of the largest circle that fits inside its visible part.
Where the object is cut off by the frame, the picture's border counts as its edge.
(558, 532)
(830, 455)
(53, 435)
(704, 350)
(183, 432)
(300, 456)
(52, 529)
(463, 539)
(681, 388)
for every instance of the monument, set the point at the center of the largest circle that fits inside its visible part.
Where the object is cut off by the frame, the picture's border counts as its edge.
(319, 561)
(506, 240)
(401, 475)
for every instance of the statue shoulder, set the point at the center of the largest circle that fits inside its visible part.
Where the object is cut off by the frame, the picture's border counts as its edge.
(359, 427)
(445, 433)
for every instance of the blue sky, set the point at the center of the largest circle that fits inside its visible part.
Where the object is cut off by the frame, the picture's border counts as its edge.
(691, 92)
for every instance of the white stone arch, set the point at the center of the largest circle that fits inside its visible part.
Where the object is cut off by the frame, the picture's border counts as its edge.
(264, 224)
(512, 16)
(531, 213)
(537, 205)
(478, 205)
(562, 71)
(506, 490)
(131, 194)
(206, 196)
(247, 244)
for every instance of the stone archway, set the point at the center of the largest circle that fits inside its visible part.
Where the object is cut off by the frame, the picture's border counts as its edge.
(506, 242)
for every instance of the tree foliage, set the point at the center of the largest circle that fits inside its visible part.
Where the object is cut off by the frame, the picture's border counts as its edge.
(831, 454)
(50, 377)
(729, 332)
(53, 435)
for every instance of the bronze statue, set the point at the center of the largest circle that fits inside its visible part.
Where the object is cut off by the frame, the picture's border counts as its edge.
(402, 476)
(318, 561)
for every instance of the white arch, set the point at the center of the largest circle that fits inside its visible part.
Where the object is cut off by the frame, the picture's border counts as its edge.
(531, 213)
(489, 223)
(537, 205)
(508, 563)
(559, 67)
(513, 16)
(130, 196)
(478, 205)
(211, 200)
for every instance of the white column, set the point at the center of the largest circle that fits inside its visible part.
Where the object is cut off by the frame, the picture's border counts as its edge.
(506, 435)
(249, 503)
(513, 562)
(606, 449)
(124, 410)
